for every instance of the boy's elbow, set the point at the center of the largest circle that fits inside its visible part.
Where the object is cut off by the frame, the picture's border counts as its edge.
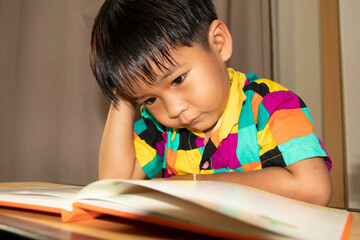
(312, 181)
(319, 191)
(322, 194)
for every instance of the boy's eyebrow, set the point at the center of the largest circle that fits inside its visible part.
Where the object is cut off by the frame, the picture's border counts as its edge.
(169, 71)
(165, 74)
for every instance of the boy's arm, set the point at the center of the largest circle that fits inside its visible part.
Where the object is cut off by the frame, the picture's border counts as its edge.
(117, 152)
(307, 180)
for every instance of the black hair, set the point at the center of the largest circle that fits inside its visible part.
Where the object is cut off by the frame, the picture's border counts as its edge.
(130, 35)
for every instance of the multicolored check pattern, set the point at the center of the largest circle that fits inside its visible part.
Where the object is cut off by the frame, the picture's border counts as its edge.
(263, 125)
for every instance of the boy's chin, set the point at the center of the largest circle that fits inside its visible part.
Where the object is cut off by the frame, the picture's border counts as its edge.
(206, 129)
(200, 127)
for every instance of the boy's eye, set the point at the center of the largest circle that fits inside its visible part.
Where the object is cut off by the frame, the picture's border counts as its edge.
(149, 101)
(178, 80)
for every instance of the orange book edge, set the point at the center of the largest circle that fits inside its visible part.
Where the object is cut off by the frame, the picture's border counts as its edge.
(31, 207)
(165, 222)
(78, 214)
(346, 232)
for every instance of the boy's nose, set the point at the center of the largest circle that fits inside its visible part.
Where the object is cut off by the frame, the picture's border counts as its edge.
(175, 107)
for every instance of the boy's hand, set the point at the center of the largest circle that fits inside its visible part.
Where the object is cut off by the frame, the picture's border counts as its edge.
(117, 152)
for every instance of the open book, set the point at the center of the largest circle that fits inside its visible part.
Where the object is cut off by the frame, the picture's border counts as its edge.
(214, 208)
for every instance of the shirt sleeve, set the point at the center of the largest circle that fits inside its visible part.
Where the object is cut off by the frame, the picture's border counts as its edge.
(285, 129)
(149, 141)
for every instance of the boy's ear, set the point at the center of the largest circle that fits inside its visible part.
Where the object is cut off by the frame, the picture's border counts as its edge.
(220, 39)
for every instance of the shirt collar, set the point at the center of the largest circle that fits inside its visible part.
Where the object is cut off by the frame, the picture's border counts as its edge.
(231, 114)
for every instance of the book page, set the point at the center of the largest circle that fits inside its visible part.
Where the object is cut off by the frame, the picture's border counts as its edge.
(54, 197)
(264, 210)
(233, 204)
(157, 205)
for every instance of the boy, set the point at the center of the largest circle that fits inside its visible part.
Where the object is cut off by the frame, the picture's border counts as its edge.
(200, 120)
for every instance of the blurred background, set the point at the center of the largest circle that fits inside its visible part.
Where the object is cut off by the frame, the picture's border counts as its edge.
(52, 112)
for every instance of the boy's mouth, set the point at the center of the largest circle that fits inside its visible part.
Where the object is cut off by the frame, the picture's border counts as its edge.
(192, 121)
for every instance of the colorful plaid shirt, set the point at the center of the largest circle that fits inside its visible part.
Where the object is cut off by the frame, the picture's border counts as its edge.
(264, 124)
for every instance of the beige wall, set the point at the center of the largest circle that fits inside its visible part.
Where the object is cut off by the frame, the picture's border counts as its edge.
(350, 55)
(51, 110)
(249, 24)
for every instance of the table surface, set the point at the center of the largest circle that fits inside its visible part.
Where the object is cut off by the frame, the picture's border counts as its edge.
(38, 225)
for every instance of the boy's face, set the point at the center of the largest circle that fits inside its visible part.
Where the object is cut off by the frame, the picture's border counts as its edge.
(193, 93)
